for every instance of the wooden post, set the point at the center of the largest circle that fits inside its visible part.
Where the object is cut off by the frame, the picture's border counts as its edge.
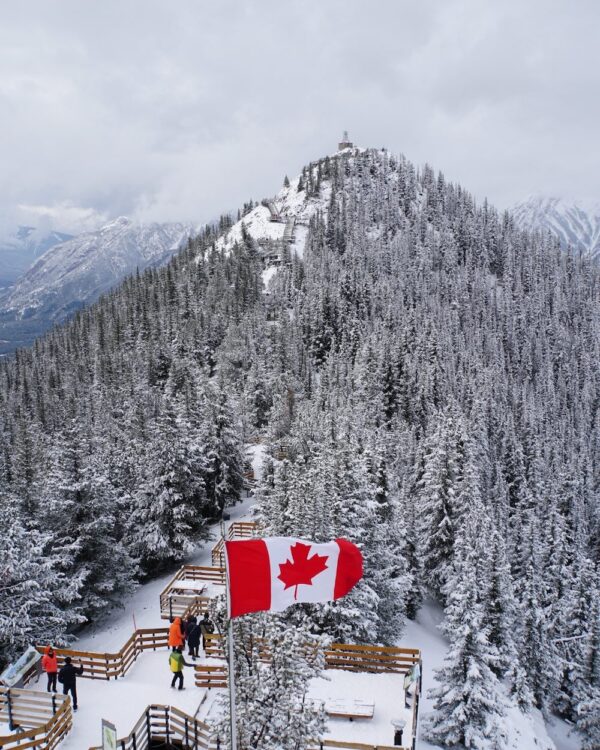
(10, 713)
(230, 654)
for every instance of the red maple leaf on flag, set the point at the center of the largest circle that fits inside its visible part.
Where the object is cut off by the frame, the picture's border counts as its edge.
(303, 568)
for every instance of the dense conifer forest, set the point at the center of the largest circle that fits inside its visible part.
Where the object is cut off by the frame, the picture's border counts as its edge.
(426, 376)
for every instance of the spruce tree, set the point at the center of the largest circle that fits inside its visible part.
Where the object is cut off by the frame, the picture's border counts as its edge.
(468, 704)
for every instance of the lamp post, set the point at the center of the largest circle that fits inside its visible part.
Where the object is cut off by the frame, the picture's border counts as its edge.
(398, 725)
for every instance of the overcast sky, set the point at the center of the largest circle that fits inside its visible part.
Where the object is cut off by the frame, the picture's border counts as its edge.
(182, 109)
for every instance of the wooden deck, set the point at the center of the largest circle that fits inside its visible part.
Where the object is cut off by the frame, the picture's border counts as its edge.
(44, 718)
(168, 725)
(173, 603)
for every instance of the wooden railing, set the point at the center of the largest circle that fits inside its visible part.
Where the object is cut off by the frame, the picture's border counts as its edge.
(242, 530)
(237, 530)
(168, 725)
(179, 605)
(210, 676)
(365, 658)
(217, 554)
(348, 656)
(45, 718)
(213, 645)
(107, 666)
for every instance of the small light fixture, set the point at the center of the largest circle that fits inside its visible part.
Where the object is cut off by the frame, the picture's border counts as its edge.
(398, 725)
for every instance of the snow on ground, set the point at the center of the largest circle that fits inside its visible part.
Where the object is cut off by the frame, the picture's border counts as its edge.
(258, 224)
(300, 235)
(267, 275)
(288, 202)
(123, 701)
(563, 734)
(257, 457)
(525, 732)
(385, 691)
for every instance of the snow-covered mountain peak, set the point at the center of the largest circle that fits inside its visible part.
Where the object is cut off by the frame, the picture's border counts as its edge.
(575, 223)
(76, 272)
(119, 222)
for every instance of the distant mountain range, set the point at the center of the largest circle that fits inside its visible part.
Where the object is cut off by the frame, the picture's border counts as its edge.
(21, 248)
(75, 271)
(574, 223)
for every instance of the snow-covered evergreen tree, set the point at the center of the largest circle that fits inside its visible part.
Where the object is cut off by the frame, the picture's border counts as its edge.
(34, 593)
(468, 703)
(274, 664)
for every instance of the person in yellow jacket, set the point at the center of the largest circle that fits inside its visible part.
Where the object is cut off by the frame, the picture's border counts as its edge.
(177, 663)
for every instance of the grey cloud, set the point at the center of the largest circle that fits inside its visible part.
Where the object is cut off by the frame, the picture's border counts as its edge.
(178, 111)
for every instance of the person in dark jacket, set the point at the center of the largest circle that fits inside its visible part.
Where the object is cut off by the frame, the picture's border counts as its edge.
(207, 628)
(189, 624)
(68, 678)
(193, 639)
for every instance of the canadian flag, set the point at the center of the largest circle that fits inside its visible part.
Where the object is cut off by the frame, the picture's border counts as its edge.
(270, 574)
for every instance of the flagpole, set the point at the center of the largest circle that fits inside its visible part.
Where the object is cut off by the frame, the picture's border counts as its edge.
(230, 661)
(231, 687)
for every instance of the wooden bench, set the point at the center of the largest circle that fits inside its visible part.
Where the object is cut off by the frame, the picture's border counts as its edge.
(341, 708)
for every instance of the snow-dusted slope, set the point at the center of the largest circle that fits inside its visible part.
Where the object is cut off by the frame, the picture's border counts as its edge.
(20, 248)
(76, 272)
(575, 224)
(288, 203)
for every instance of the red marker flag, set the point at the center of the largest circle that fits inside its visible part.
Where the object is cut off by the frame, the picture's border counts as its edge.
(273, 573)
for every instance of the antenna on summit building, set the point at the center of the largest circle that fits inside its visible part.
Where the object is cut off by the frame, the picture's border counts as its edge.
(345, 142)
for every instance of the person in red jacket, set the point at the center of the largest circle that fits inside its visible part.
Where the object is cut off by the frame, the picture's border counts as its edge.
(50, 667)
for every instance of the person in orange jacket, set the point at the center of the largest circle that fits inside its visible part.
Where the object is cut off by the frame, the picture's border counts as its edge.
(176, 637)
(50, 667)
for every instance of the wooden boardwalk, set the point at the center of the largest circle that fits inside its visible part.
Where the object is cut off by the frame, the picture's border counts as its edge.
(44, 718)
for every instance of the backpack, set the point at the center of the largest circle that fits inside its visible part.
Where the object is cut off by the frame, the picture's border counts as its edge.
(175, 662)
(61, 676)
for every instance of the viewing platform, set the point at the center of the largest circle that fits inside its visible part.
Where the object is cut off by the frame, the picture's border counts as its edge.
(364, 693)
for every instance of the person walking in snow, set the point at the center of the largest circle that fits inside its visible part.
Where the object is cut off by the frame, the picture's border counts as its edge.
(177, 663)
(176, 635)
(193, 639)
(68, 678)
(207, 628)
(50, 667)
